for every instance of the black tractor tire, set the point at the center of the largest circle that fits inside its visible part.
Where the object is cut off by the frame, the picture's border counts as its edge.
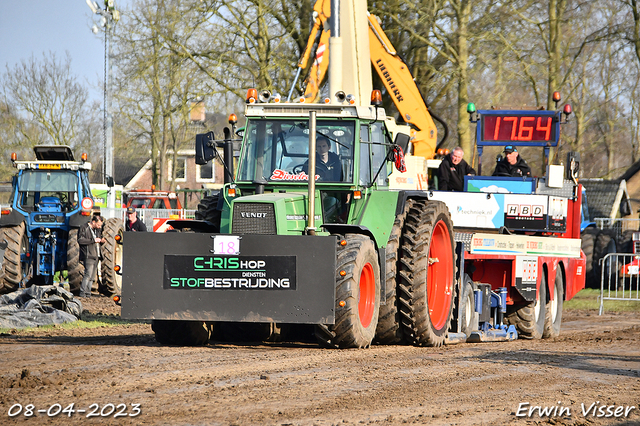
(464, 312)
(357, 296)
(588, 241)
(529, 319)
(426, 288)
(553, 311)
(389, 330)
(248, 332)
(625, 241)
(111, 257)
(14, 270)
(208, 211)
(75, 269)
(605, 243)
(181, 333)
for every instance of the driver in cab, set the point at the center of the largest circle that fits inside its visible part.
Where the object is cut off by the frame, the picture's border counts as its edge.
(328, 166)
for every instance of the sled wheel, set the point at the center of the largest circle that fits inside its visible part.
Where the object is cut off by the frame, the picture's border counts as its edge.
(15, 266)
(464, 312)
(529, 319)
(553, 317)
(357, 296)
(181, 333)
(427, 273)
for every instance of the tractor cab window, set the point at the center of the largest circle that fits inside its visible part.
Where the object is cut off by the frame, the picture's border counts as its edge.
(278, 151)
(372, 155)
(53, 188)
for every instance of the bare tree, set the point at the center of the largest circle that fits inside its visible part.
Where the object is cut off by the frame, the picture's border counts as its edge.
(47, 95)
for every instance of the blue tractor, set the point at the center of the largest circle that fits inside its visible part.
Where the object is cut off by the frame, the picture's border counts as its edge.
(50, 200)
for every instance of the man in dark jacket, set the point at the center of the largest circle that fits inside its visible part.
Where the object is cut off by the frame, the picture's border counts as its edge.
(89, 240)
(512, 164)
(452, 171)
(133, 223)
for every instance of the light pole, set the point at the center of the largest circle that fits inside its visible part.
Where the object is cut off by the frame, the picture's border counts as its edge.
(109, 16)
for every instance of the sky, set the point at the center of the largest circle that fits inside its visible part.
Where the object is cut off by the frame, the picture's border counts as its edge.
(31, 27)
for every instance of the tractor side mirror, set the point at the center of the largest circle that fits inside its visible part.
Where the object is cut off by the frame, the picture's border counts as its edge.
(110, 182)
(205, 150)
(402, 139)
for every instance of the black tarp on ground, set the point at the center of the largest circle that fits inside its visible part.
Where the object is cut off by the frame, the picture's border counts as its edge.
(38, 305)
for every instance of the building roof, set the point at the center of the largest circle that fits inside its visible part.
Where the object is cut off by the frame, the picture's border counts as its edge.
(606, 198)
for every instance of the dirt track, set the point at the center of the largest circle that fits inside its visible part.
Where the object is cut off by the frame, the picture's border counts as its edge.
(594, 359)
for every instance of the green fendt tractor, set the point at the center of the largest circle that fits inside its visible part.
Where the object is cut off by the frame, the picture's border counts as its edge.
(368, 264)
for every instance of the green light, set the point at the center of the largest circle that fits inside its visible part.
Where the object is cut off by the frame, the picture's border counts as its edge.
(471, 107)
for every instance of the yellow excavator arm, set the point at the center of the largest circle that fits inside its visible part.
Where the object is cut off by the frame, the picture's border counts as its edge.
(391, 68)
(402, 88)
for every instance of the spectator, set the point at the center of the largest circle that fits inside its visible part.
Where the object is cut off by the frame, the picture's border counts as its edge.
(512, 164)
(452, 171)
(89, 240)
(133, 223)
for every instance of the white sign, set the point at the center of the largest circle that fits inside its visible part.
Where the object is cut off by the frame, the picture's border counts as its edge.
(226, 244)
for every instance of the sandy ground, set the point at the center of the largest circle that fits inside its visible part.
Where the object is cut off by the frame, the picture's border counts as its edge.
(120, 375)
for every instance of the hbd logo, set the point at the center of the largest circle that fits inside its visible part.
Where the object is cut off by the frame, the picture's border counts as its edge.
(524, 210)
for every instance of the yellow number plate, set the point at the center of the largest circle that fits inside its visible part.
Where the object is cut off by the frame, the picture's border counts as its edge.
(48, 166)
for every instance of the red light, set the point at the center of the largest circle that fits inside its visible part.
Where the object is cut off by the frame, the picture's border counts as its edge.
(116, 298)
(556, 96)
(118, 237)
(5, 212)
(116, 268)
(567, 109)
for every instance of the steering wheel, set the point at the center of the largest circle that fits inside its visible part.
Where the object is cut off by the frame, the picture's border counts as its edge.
(503, 174)
(298, 169)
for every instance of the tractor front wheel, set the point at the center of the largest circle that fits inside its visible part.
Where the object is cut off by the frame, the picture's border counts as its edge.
(553, 317)
(181, 333)
(357, 296)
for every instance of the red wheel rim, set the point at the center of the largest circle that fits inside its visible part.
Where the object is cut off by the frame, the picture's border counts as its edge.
(440, 276)
(367, 295)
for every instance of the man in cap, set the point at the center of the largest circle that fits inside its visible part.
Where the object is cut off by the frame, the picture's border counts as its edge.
(133, 223)
(512, 164)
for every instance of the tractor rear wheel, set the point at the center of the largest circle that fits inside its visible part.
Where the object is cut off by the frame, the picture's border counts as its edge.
(75, 269)
(389, 330)
(427, 273)
(181, 333)
(357, 296)
(208, 210)
(529, 319)
(111, 256)
(15, 267)
(553, 311)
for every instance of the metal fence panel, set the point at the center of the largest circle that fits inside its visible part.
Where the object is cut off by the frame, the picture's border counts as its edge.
(620, 279)
(147, 215)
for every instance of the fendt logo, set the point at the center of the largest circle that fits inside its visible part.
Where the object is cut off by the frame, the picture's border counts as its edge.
(253, 214)
(524, 210)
